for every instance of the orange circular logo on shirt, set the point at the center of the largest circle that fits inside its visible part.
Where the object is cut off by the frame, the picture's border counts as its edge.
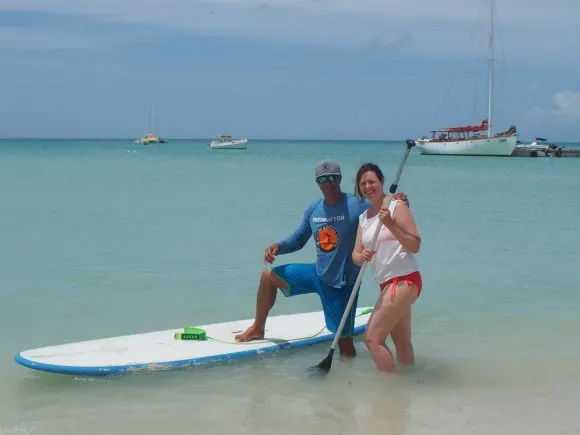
(327, 238)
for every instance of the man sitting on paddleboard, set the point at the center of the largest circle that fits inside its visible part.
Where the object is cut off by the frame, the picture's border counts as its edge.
(333, 222)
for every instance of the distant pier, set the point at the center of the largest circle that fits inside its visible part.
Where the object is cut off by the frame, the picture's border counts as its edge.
(555, 152)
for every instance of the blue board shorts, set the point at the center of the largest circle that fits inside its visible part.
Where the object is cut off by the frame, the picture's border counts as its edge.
(303, 279)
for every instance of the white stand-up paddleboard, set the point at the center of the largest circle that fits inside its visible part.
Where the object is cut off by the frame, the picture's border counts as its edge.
(165, 350)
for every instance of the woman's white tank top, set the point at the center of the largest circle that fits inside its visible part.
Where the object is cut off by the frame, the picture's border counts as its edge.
(390, 259)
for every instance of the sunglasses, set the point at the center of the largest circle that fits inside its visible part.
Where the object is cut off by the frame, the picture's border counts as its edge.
(325, 178)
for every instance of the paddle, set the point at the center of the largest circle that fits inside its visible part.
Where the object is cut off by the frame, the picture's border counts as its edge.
(324, 366)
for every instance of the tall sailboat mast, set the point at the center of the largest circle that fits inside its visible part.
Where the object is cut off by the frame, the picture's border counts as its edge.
(459, 141)
(490, 72)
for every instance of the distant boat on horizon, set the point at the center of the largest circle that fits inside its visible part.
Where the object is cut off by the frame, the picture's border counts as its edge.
(150, 137)
(225, 141)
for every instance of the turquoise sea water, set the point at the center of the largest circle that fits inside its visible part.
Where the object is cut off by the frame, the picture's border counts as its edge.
(102, 238)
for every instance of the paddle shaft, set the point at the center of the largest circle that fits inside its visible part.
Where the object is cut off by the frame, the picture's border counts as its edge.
(410, 144)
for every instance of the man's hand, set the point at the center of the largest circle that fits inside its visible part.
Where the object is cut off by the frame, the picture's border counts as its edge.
(386, 218)
(401, 197)
(270, 252)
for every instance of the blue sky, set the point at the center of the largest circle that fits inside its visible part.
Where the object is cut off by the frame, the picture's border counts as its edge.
(336, 69)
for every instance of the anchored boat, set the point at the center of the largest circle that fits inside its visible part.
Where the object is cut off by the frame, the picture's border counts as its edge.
(473, 140)
(225, 141)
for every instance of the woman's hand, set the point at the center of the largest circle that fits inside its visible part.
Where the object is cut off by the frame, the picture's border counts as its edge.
(386, 218)
(366, 254)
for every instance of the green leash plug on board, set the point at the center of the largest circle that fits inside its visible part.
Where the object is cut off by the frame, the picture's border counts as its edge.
(191, 333)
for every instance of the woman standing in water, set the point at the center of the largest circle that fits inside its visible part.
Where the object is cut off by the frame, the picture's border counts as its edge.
(394, 268)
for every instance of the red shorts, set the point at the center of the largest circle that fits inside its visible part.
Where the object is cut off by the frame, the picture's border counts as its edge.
(413, 278)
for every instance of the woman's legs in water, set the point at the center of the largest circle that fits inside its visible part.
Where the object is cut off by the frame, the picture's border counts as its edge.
(387, 316)
(401, 336)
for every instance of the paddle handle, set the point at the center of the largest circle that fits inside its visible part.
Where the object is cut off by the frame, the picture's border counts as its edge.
(392, 189)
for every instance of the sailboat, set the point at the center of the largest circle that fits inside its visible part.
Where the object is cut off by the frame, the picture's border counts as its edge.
(473, 140)
(150, 137)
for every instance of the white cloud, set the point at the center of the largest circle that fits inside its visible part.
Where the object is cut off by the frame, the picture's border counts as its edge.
(391, 41)
(435, 28)
(516, 13)
(565, 108)
(536, 113)
(567, 104)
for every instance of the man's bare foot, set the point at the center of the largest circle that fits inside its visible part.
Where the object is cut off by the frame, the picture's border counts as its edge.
(252, 333)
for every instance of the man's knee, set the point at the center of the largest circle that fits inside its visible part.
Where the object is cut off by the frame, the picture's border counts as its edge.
(266, 274)
(272, 280)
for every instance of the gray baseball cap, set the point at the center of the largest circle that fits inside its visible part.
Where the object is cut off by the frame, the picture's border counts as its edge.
(327, 167)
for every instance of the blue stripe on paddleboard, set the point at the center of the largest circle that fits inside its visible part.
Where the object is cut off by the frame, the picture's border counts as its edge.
(170, 365)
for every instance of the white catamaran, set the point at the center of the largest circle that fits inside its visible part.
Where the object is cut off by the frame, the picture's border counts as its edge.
(150, 137)
(473, 140)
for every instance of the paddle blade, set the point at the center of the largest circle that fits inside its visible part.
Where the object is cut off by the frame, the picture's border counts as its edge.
(324, 366)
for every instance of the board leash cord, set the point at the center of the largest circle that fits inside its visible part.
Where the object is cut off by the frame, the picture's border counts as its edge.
(195, 333)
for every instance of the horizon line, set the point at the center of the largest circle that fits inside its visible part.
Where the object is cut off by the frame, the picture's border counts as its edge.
(250, 139)
(196, 138)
